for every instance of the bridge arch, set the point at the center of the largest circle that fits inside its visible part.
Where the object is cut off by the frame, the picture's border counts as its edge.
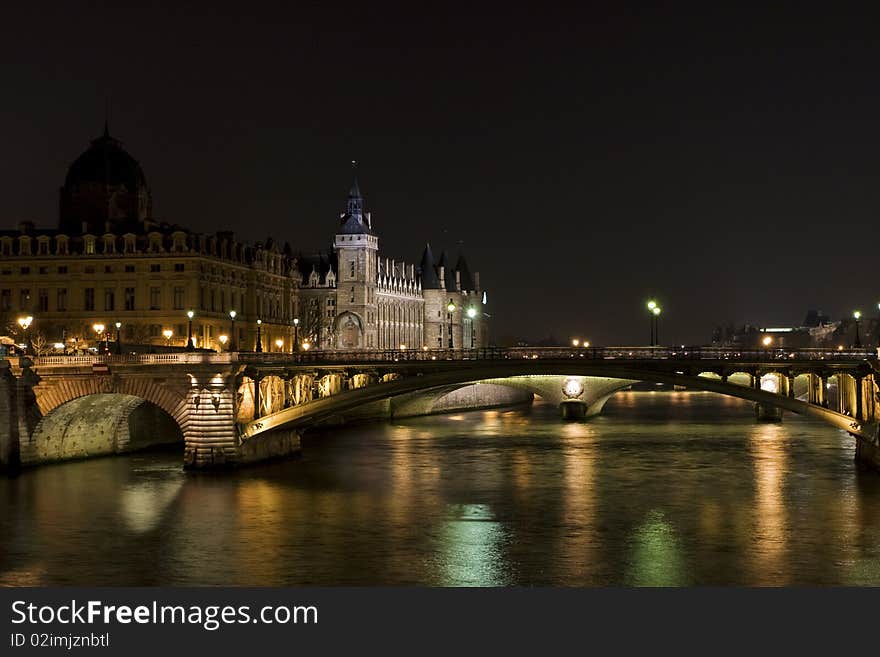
(51, 393)
(322, 408)
(99, 424)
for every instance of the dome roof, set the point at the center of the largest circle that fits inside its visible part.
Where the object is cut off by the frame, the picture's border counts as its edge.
(106, 162)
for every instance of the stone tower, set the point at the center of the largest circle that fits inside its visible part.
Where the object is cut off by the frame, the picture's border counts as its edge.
(357, 248)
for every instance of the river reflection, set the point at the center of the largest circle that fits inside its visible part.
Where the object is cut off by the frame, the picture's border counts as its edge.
(662, 489)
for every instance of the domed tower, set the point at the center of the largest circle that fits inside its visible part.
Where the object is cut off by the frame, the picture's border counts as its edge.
(105, 190)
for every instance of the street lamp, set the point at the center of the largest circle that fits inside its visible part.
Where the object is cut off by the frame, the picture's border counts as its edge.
(575, 342)
(99, 329)
(190, 346)
(656, 310)
(167, 333)
(471, 313)
(651, 306)
(450, 308)
(280, 344)
(232, 314)
(223, 338)
(857, 315)
(259, 346)
(25, 324)
(118, 349)
(306, 345)
(296, 334)
(767, 341)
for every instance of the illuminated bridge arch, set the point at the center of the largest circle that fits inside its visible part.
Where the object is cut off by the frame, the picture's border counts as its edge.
(306, 414)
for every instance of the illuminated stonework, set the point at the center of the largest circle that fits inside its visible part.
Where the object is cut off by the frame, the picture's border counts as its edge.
(572, 388)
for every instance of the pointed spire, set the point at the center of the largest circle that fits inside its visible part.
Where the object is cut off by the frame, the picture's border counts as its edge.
(355, 191)
(353, 220)
(427, 271)
(464, 274)
(448, 273)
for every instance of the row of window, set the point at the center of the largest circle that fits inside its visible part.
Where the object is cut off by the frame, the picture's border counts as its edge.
(89, 299)
(90, 269)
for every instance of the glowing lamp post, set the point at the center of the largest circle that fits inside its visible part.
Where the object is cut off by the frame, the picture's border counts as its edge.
(656, 310)
(259, 346)
(232, 314)
(168, 333)
(652, 306)
(190, 346)
(471, 313)
(306, 345)
(575, 342)
(118, 348)
(296, 333)
(279, 344)
(25, 324)
(857, 315)
(223, 339)
(99, 330)
(767, 341)
(450, 308)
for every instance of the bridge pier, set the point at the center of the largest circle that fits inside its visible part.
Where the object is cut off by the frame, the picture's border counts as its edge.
(10, 452)
(572, 409)
(776, 383)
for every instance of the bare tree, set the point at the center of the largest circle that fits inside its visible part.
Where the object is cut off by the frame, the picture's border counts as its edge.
(40, 345)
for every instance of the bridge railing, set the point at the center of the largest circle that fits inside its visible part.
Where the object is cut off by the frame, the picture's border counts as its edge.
(555, 353)
(485, 354)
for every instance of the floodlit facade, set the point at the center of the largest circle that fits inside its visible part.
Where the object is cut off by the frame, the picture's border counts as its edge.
(111, 262)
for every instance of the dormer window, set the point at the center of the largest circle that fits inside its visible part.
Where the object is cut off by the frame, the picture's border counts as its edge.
(129, 243)
(42, 246)
(61, 245)
(109, 244)
(89, 242)
(24, 245)
(155, 243)
(178, 242)
(6, 247)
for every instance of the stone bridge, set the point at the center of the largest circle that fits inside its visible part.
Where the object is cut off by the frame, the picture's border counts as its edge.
(235, 408)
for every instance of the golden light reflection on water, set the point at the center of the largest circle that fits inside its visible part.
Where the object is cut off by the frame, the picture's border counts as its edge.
(579, 544)
(143, 504)
(769, 540)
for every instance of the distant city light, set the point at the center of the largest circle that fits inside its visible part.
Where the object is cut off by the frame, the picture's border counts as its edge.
(767, 341)
(575, 342)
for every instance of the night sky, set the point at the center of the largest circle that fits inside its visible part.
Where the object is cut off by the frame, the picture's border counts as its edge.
(726, 163)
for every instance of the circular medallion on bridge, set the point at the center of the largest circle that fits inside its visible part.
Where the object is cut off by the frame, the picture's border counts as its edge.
(572, 388)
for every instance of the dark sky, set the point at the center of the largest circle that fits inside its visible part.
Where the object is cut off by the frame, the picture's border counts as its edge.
(585, 159)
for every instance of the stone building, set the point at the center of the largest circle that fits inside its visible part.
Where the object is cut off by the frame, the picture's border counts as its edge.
(354, 298)
(111, 261)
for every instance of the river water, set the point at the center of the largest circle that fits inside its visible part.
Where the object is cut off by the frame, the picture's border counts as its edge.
(665, 488)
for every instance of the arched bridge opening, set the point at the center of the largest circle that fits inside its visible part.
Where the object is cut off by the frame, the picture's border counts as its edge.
(99, 424)
(623, 374)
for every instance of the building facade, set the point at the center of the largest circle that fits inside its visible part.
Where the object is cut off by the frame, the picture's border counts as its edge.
(111, 262)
